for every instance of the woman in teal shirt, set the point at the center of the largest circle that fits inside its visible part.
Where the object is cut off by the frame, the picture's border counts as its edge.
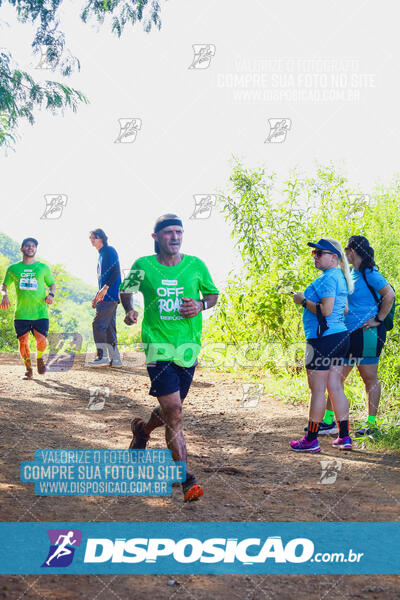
(325, 303)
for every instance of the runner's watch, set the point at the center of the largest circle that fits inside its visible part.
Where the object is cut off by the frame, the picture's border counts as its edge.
(50, 294)
(378, 319)
(304, 303)
(204, 303)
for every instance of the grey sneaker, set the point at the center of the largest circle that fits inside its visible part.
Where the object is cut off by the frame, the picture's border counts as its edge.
(99, 362)
(324, 428)
(116, 363)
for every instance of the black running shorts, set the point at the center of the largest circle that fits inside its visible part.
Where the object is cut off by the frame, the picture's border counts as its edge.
(22, 326)
(167, 378)
(327, 351)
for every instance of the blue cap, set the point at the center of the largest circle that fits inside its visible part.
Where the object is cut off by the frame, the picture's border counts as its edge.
(325, 245)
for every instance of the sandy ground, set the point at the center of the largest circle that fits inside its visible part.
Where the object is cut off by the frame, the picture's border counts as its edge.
(268, 482)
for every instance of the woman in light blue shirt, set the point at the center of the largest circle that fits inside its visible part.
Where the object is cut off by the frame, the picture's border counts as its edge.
(325, 303)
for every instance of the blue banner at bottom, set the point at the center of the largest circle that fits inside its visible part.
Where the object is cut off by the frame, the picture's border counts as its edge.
(209, 548)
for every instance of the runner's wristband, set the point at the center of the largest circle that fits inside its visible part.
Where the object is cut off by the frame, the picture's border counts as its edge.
(378, 319)
(204, 303)
(50, 294)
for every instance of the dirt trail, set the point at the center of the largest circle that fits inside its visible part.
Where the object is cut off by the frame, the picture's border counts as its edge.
(271, 482)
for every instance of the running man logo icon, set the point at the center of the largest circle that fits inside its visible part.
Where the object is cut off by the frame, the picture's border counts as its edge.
(128, 129)
(357, 206)
(97, 397)
(62, 348)
(203, 205)
(330, 471)
(203, 54)
(278, 129)
(55, 204)
(251, 394)
(132, 279)
(63, 543)
(44, 59)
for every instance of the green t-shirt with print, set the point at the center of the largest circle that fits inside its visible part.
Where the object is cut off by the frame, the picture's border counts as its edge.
(166, 334)
(30, 281)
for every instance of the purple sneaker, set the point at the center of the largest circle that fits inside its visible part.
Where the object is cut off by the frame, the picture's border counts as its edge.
(342, 443)
(304, 445)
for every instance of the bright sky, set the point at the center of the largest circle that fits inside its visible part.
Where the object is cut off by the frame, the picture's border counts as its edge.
(331, 68)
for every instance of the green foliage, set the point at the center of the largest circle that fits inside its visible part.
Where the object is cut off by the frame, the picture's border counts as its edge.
(79, 291)
(10, 248)
(271, 226)
(8, 342)
(20, 95)
(271, 223)
(120, 13)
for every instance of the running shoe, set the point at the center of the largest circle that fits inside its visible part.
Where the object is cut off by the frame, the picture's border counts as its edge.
(304, 445)
(116, 363)
(99, 362)
(41, 367)
(342, 443)
(191, 490)
(28, 374)
(140, 438)
(368, 429)
(325, 429)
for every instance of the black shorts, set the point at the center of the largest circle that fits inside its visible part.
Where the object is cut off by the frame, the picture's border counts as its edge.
(327, 351)
(366, 345)
(167, 378)
(22, 326)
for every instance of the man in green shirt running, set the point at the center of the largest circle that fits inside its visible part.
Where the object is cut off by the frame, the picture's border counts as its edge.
(31, 314)
(171, 284)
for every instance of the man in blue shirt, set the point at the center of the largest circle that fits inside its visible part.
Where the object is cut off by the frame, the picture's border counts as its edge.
(105, 302)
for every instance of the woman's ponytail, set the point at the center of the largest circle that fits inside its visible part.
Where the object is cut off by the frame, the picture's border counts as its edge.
(343, 264)
(361, 245)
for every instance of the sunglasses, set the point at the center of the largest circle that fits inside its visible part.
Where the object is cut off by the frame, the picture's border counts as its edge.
(319, 253)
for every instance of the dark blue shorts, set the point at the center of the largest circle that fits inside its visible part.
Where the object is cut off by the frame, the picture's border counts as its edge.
(327, 351)
(167, 378)
(22, 326)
